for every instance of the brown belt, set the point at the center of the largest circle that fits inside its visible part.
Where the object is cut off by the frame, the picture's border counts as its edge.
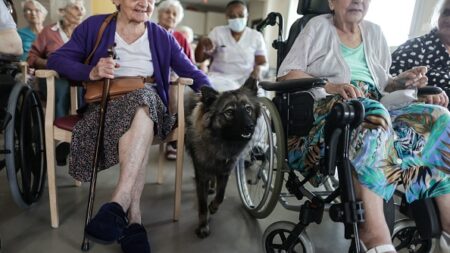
(149, 79)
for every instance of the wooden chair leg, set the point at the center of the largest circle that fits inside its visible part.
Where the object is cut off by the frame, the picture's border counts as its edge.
(178, 177)
(51, 178)
(160, 176)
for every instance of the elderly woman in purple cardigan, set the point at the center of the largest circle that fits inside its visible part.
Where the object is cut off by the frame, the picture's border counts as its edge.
(143, 49)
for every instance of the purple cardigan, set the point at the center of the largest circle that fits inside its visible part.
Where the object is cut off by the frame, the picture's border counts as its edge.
(68, 61)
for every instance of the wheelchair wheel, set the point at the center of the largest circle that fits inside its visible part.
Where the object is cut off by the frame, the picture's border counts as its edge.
(24, 138)
(259, 172)
(406, 238)
(278, 232)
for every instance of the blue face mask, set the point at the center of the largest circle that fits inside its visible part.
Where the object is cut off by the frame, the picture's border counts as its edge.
(237, 24)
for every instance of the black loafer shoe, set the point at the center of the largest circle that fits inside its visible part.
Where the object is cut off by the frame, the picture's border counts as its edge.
(108, 224)
(134, 239)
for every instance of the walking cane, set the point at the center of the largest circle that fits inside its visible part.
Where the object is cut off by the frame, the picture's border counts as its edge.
(101, 128)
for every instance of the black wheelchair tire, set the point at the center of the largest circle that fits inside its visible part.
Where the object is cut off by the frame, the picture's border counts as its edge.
(274, 178)
(282, 229)
(25, 182)
(407, 226)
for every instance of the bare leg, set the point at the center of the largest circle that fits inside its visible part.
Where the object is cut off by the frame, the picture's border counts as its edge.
(374, 231)
(443, 203)
(133, 149)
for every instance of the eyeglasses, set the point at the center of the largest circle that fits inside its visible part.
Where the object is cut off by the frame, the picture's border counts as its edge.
(29, 11)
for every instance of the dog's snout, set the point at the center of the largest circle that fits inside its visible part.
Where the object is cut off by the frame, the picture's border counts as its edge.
(249, 128)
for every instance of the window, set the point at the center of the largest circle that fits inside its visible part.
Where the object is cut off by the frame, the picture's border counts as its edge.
(394, 17)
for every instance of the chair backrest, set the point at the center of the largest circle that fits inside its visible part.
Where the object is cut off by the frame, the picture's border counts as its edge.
(309, 9)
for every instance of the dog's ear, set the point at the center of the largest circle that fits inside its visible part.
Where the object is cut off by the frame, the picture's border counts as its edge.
(251, 84)
(208, 95)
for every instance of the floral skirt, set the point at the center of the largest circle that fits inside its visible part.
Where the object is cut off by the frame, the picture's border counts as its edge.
(119, 115)
(410, 145)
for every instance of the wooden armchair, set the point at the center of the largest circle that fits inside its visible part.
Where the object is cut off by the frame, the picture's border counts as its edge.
(61, 130)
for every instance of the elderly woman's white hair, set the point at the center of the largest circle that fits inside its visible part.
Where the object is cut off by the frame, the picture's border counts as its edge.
(58, 5)
(172, 3)
(437, 12)
(36, 4)
(188, 31)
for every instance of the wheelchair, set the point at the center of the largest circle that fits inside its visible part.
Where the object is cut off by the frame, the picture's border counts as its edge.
(264, 178)
(22, 130)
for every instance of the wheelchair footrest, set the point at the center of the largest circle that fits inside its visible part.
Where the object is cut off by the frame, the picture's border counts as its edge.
(425, 213)
(311, 211)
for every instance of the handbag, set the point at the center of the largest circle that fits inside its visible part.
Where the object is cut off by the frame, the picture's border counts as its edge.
(119, 86)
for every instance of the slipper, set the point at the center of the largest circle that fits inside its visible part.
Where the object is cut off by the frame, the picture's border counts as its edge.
(108, 224)
(134, 239)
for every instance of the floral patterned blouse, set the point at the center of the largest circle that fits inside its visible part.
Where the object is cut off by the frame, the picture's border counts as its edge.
(427, 50)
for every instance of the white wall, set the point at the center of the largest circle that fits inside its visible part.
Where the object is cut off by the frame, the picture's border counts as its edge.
(422, 16)
(214, 19)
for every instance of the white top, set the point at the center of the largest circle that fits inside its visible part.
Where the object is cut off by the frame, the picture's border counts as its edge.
(235, 59)
(6, 20)
(57, 28)
(316, 52)
(135, 59)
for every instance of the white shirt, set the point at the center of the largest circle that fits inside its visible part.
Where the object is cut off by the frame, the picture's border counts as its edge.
(135, 59)
(6, 20)
(235, 59)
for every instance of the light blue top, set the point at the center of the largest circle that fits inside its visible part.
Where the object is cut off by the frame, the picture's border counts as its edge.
(28, 37)
(356, 60)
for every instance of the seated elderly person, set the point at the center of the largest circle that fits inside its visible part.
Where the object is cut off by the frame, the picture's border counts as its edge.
(170, 13)
(34, 13)
(353, 55)
(49, 40)
(143, 49)
(431, 50)
(236, 51)
(10, 44)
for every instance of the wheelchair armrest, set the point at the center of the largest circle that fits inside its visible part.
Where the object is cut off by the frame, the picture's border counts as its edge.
(293, 85)
(428, 90)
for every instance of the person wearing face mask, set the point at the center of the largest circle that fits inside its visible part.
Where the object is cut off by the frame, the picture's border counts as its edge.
(49, 40)
(236, 51)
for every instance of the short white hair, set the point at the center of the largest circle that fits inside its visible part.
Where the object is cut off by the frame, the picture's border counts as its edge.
(189, 32)
(62, 4)
(36, 4)
(172, 3)
(437, 12)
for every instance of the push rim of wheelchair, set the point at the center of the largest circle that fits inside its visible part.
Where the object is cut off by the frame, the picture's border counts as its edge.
(24, 150)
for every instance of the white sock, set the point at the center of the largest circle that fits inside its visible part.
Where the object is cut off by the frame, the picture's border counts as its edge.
(444, 242)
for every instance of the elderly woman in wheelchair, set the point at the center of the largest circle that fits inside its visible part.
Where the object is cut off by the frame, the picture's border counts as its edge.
(399, 141)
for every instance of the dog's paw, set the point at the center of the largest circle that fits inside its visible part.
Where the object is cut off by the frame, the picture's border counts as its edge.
(213, 208)
(202, 231)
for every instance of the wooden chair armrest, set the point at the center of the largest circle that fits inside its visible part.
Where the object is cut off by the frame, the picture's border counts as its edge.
(183, 81)
(45, 73)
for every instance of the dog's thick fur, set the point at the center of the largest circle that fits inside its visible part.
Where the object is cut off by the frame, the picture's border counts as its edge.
(219, 128)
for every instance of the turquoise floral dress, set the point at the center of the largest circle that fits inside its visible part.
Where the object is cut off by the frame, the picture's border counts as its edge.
(409, 146)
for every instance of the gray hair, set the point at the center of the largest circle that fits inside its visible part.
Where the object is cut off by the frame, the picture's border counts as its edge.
(38, 5)
(189, 32)
(437, 12)
(172, 3)
(62, 4)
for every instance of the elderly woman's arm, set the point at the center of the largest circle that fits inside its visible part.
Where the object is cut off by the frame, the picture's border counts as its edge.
(183, 66)
(10, 42)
